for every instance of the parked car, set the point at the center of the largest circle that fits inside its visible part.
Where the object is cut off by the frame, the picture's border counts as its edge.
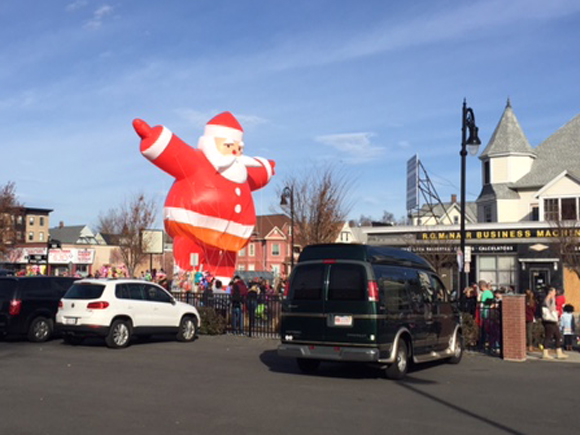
(120, 309)
(28, 305)
(368, 304)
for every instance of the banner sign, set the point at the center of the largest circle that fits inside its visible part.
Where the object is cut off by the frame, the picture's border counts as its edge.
(55, 256)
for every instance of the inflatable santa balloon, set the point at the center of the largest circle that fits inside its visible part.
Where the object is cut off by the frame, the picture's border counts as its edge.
(209, 210)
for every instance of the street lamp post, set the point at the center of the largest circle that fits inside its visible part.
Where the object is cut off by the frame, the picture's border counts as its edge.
(288, 195)
(470, 144)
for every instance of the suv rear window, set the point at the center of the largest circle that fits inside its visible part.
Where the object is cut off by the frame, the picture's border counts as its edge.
(347, 282)
(307, 283)
(85, 291)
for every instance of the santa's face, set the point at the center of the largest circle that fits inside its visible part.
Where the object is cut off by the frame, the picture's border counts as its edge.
(229, 147)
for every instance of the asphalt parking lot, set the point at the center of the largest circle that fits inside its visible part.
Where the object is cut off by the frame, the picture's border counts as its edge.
(236, 385)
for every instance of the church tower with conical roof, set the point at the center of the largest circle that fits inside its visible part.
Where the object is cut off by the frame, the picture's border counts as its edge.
(507, 158)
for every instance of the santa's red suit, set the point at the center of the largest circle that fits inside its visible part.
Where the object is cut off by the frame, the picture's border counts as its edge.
(207, 211)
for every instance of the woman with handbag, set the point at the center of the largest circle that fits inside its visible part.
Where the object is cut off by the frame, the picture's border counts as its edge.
(550, 321)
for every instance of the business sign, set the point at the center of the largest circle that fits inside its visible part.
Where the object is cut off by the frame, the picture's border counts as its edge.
(498, 234)
(413, 183)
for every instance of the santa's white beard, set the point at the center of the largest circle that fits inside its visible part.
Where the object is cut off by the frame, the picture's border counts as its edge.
(230, 167)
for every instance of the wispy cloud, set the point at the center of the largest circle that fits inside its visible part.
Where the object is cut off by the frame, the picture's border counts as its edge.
(199, 119)
(76, 5)
(98, 16)
(355, 147)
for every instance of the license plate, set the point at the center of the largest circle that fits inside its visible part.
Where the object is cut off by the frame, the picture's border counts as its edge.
(342, 320)
(70, 321)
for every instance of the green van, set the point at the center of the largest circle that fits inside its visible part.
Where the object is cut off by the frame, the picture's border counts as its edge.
(374, 304)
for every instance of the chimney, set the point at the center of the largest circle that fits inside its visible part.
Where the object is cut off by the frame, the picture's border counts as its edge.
(61, 224)
(453, 198)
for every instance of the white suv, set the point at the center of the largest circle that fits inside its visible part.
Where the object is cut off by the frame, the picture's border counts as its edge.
(118, 309)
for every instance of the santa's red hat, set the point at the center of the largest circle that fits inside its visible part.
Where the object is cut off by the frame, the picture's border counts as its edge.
(225, 126)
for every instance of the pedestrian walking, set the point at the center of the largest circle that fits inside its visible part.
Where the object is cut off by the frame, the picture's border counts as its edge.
(550, 321)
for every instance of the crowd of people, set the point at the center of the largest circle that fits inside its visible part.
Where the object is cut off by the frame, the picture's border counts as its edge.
(555, 317)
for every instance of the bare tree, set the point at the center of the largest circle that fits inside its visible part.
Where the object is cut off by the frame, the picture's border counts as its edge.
(567, 237)
(9, 209)
(320, 204)
(126, 224)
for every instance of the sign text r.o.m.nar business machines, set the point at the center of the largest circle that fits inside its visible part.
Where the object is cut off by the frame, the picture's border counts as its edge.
(499, 234)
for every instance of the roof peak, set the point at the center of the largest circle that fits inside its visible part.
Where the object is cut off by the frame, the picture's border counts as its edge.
(508, 137)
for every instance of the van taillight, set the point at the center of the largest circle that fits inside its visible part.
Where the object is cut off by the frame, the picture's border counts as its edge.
(328, 261)
(373, 290)
(15, 305)
(60, 305)
(97, 305)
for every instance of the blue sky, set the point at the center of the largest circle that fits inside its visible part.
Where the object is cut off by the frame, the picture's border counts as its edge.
(361, 84)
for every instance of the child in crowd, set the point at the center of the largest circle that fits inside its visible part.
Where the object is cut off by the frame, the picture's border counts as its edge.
(568, 326)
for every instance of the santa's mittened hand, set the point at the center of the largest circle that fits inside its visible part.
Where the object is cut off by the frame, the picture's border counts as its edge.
(272, 164)
(142, 128)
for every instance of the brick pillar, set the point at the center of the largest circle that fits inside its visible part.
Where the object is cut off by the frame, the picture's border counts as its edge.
(514, 327)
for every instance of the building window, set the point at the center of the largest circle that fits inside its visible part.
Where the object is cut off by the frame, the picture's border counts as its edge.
(41, 221)
(19, 220)
(486, 172)
(31, 236)
(568, 209)
(242, 252)
(455, 219)
(535, 213)
(252, 250)
(276, 269)
(498, 270)
(344, 236)
(551, 209)
(275, 249)
(41, 237)
(31, 220)
(251, 267)
(487, 215)
(241, 267)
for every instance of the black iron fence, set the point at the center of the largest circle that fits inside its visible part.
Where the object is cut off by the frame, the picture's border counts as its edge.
(253, 317)
(482, 327)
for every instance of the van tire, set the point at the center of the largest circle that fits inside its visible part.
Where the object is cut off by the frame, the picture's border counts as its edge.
(458, 353)
(40, 330)
(308, 366)
(398, 369)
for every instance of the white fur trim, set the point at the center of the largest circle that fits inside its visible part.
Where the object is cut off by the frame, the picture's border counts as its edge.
(189, 217)
(266, 164)
(223, 132)
(159, 145)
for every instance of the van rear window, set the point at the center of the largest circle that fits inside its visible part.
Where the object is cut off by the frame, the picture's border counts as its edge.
(7, 287)
(85, 291)
(347, 283)
(307, 283)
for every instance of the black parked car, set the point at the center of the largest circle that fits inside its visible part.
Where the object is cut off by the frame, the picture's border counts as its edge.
(28, 305)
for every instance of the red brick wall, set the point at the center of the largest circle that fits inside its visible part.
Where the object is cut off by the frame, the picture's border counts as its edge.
(514, 327)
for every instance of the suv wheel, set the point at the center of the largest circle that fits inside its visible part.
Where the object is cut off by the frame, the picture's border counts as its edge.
(40, 330)
(398, 369)
(119, 334)
(458, 351)
(308, 366)
(187, 329)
